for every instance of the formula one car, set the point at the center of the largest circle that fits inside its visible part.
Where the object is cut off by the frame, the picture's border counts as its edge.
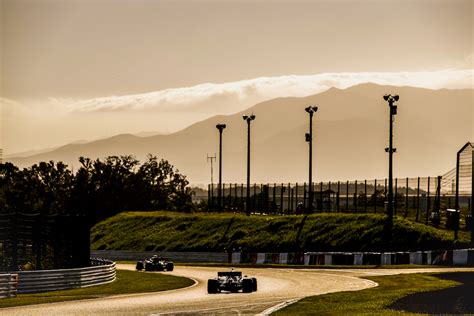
(231, 281)
(155, 263)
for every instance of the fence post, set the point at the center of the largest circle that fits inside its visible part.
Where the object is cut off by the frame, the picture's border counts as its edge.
(296, 195)
(282, 190)
(365, 196)
(304, 195)
(355, 198)
(375, 197)
(406, 200)
(329, 195)
(427, 202)
(254, 197)
(418, 201)
(289, 197)
(338, 196)
(292, 199)
(347, 196)
(395, 197)
(274, 197)
(321, 206)
(229, 197)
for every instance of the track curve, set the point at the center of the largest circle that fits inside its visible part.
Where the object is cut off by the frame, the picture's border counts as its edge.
(276, 286)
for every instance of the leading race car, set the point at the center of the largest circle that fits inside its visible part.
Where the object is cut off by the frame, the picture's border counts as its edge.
(155, 263)
(231, 281)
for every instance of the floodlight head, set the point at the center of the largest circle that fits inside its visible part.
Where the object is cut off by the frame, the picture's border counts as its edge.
(220, 127)
(249, 118)
(311, 109)
(391, 98)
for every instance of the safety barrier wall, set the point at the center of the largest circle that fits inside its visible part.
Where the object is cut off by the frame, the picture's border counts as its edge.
(464, 257)
(101, 272)
(8, 285)
(181, 257)
(433, 257)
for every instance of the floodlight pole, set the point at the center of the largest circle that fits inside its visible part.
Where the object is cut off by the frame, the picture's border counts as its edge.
(220, 127)
(248, 119)
(309, 138)
(393, 111)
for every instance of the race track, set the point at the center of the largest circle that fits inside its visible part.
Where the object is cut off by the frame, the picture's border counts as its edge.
(275, 286)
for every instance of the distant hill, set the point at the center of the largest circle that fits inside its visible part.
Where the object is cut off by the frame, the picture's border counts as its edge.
(350, 134)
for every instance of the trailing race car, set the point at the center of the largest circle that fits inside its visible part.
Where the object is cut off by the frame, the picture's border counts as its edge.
(155, 263)
(231, 281)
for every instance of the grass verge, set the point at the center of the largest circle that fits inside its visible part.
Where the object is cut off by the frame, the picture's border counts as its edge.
(127, 282)
(370, 301)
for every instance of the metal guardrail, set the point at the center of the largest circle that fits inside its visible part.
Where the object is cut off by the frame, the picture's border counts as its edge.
(181, 257)
(101, 272)
(8, 285)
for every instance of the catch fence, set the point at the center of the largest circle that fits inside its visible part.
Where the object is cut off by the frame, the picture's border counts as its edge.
(416, 198)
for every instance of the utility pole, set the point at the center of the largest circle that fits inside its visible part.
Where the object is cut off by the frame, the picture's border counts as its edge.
(309, 138)
(220, 127)
(248, 119)
(391, 99)
(211, 159)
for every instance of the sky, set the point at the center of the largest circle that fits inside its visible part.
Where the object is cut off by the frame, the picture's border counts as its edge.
(96, 68)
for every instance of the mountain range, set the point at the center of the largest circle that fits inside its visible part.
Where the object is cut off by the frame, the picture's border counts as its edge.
(350, 132)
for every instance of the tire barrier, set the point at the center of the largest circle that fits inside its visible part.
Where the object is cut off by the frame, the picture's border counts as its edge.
(101, 272)
(8, 285)
(463, 257)
(460, 257)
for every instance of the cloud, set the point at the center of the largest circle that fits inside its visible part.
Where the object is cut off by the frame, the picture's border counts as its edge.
(264, 88)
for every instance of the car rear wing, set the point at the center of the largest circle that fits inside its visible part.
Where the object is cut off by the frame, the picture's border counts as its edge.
(229, 274)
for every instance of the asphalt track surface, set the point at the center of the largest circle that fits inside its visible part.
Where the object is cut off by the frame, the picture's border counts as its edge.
(275, 286)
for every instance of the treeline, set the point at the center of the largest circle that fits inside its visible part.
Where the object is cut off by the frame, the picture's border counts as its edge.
(99, 188)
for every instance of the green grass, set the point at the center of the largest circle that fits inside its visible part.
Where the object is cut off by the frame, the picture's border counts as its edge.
(370, 301)
(165, 231)
(127, 282)
(297, 266)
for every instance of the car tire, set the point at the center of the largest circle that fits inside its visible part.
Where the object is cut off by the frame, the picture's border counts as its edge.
(212, 286)
(169, 266)
(254, 284)
(139, 266)
(247, 285)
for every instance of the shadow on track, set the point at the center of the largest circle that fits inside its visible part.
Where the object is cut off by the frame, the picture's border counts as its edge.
(456, 300)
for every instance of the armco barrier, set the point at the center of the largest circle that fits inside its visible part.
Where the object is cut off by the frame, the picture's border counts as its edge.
(8, 285)
(101, 272)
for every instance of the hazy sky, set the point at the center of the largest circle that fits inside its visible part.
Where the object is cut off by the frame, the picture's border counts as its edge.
(85, 48)
(56, 54)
